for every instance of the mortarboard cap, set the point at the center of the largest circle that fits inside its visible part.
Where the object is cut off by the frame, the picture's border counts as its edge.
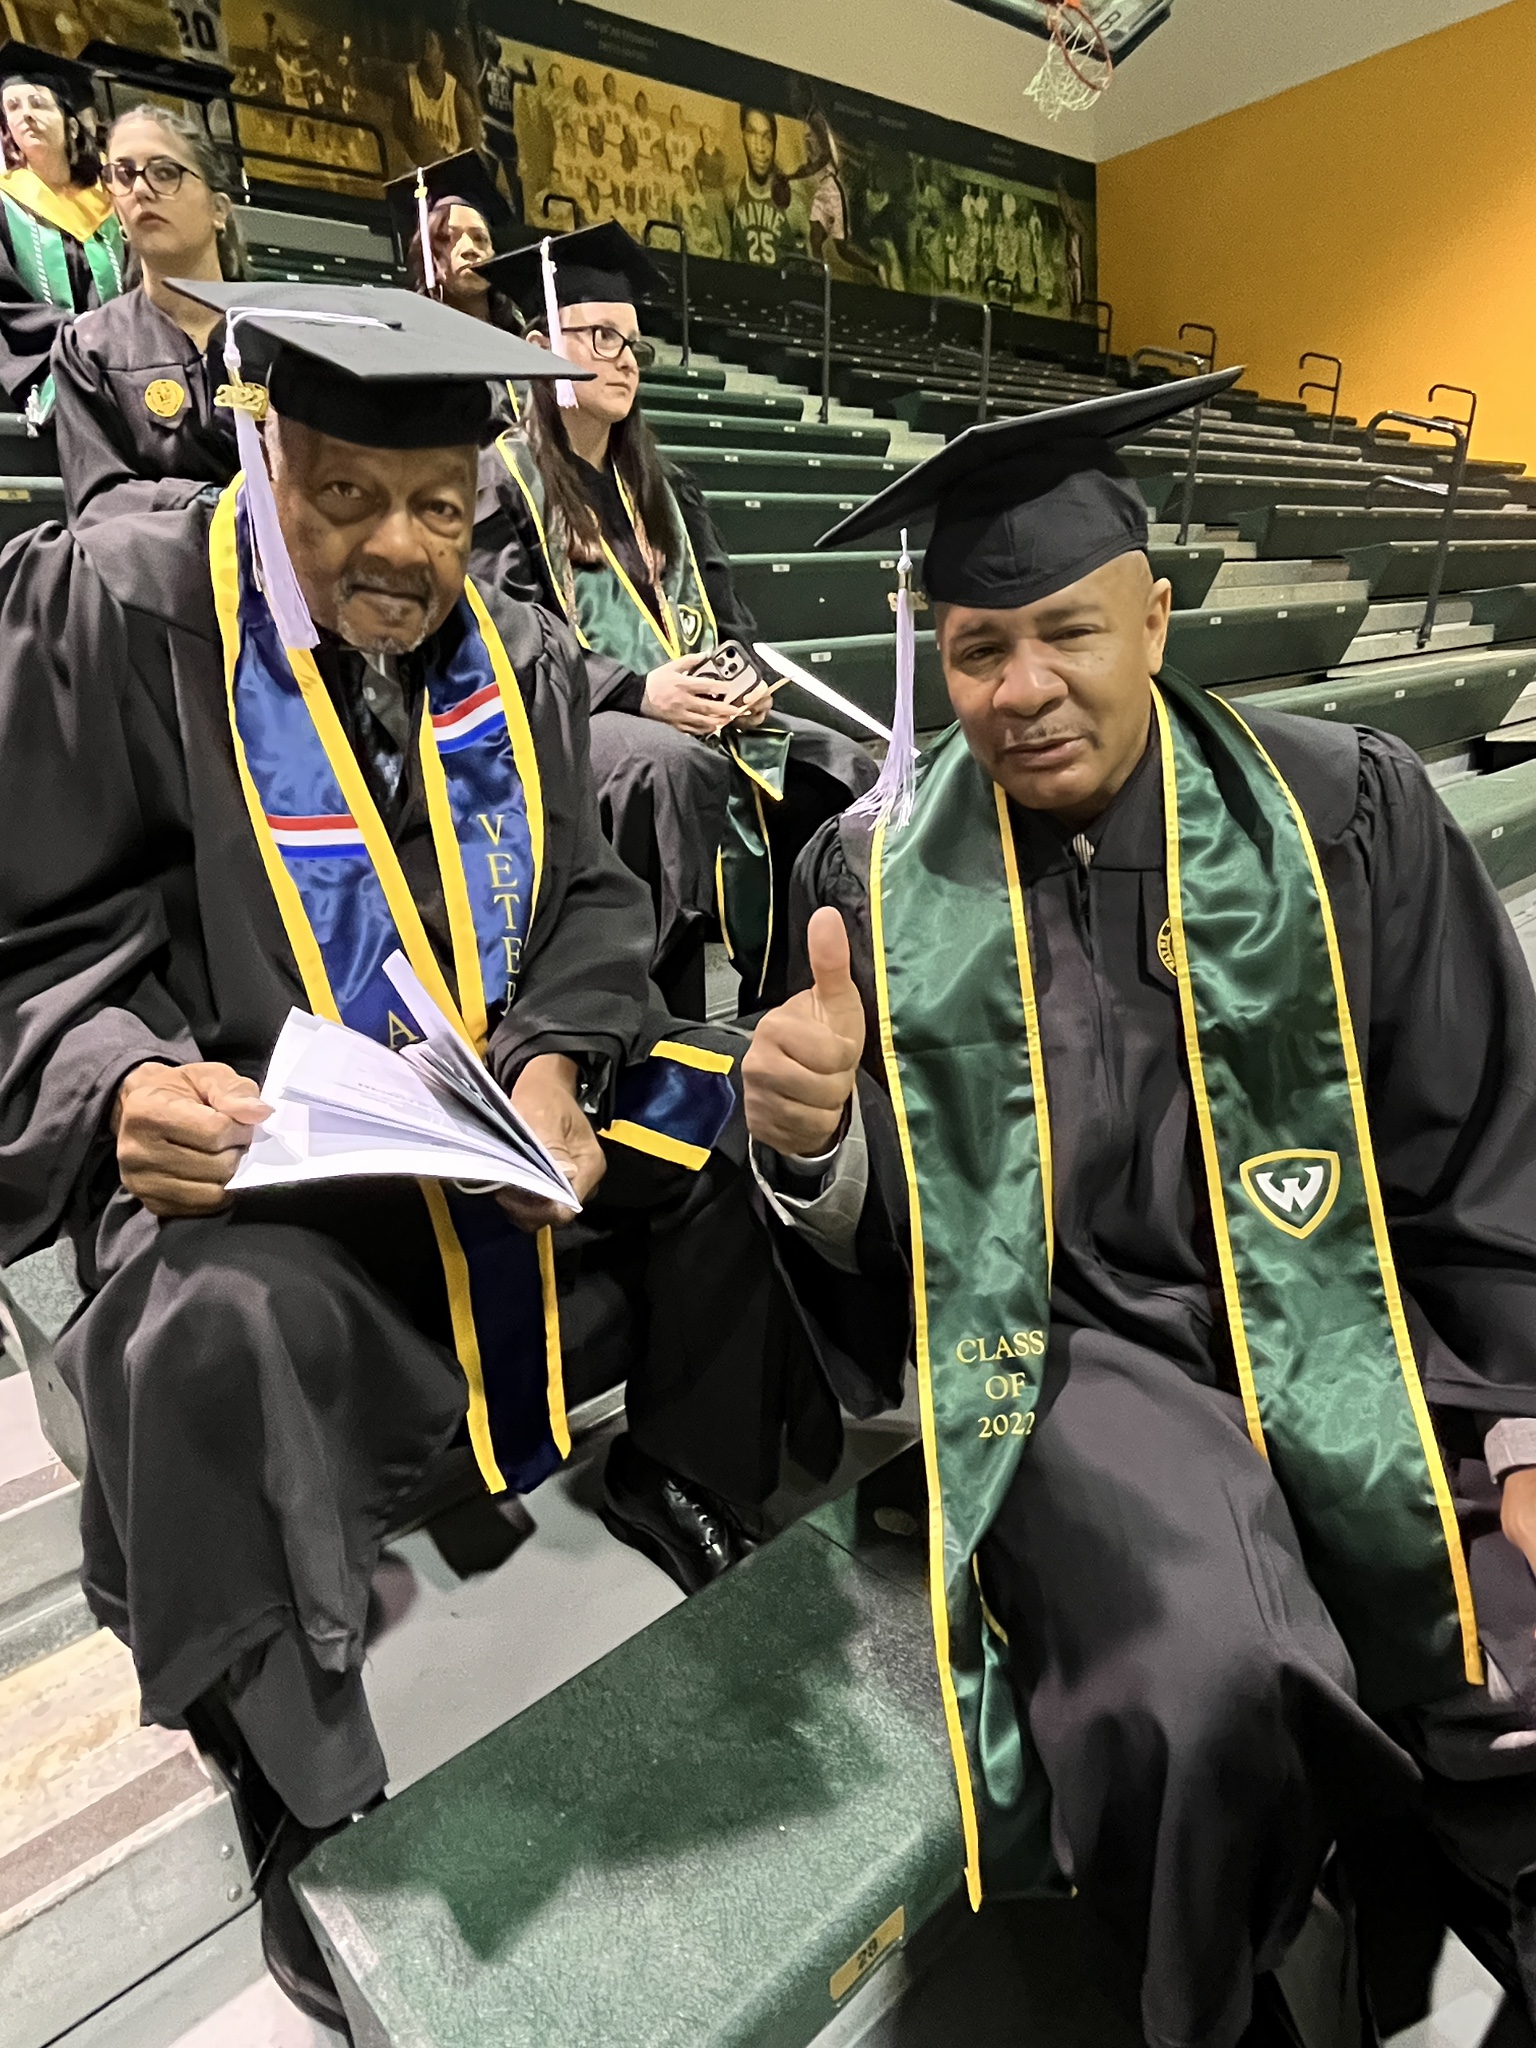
(380, 367)
(72, 85)
(376, 365)
(1022, 508)
(604, 265)
(464, 177)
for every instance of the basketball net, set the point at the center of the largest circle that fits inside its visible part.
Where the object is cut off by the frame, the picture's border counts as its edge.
(1077, 67)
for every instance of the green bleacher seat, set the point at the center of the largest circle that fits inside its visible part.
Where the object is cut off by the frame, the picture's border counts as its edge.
(1191, 571)
(1431, 701)
(24, 454)
(784, 469)
(749, 404)
(1402, 568)
(1234, 500)
(708, 1838)
(1510, 610)
(776, 522)
(27, 501)
(733, 430)
(1288, 532)
(795, 595)
(1498, 814)
(707, 376)
(1236, 644)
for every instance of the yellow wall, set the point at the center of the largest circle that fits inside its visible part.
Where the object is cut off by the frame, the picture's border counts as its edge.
(1386, 213)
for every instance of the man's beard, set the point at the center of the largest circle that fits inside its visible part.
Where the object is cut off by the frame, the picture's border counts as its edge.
(368, 579)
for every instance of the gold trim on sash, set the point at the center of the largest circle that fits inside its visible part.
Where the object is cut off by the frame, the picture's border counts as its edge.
(1466, 1613)
(538, 526)
(520, 733)
(699, 1057)
(1227, 1265)
(937, 1568)
(463, 937)
(466, 1338)
(225, 569)
(559, 1421)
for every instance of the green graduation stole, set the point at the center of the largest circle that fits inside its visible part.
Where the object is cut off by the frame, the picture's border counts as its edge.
(42, 264)
(346, 907)
(1329, 1384)
(608, 613)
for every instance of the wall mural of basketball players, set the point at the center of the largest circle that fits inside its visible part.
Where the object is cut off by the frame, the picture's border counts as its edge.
(746, 180)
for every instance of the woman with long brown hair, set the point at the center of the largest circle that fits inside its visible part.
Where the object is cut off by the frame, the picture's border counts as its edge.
(60, 246)
(707, 801)
(138, 426)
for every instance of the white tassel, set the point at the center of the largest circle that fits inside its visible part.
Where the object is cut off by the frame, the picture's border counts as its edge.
(891, 798)
(565, 391)
(285, 600)
(424, 233)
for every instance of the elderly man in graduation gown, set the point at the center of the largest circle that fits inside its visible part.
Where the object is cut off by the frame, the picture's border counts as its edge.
(1200, 1087)
(246, 753)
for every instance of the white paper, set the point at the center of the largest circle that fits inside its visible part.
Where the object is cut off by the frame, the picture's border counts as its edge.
(344, 1106)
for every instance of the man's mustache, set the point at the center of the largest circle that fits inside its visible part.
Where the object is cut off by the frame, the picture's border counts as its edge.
(378, 578)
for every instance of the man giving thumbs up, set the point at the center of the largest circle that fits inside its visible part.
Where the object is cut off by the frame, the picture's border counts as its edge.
(804, 1060)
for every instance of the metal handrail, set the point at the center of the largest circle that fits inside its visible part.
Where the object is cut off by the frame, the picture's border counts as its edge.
(1459, 432)
(1167, 355)
(1105, 328)
(825, 268)
(562, 199)
(986, 361)
(671, 227)
(1200, 327)
(1329, 391)
(1460, 391)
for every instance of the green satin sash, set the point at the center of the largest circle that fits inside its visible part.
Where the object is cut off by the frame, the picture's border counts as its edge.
(43, 266)
(608, 613)
(1329, 1384)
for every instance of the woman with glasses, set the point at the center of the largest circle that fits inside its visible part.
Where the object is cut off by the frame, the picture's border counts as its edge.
(706, 799)
(136, 380)
(60, 247)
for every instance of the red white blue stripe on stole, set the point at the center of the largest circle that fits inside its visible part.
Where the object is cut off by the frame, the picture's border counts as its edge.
(333, 838)
(463, 724)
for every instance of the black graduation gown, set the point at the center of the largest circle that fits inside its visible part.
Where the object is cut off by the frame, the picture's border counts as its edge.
(662, 793)
(117, 453)
(261, 1387)
(1190, 1698)
(28, 328)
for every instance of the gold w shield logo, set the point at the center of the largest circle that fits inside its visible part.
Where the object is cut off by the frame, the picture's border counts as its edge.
(1292, 1190)
(691, 621)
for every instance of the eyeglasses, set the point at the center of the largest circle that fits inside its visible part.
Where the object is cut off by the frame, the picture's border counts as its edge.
(162, 174)
(609, 343)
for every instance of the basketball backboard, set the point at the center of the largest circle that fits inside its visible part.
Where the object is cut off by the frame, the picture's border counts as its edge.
(1124, 24)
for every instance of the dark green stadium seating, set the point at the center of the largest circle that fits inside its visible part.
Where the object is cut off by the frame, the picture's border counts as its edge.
(1510, 610)
(26, 501)
(1290, 532)
(1231, 646)
(690, 399)
(1235, 500)
(784, 469)
(792, 596)
(1431, 701)
(1498, 814)
(708, 377)
(702, 1841)
(776, 522)
(24, 454)
(702, 430)
(1401, 568)
(1191, 571)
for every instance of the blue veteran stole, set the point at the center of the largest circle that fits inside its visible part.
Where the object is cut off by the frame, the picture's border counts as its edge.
(346, 907)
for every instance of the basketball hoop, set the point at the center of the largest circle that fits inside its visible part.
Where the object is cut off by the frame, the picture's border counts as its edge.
(1077, 67)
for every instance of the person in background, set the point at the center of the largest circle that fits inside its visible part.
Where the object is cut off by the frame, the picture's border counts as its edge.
(498, 83)
(463, 209)
(682, 144)
(138, 428)
(441, 117)
(61, 249)
(706, 802)
(763, 227)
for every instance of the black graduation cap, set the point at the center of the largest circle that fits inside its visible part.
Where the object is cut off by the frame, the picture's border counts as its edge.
(1024, 507)
(464, 177)
(372, 364)
(72, 85)
(604, 265)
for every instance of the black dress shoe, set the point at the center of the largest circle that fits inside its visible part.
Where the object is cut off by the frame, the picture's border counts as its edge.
(687, 1532)
(291, 1951)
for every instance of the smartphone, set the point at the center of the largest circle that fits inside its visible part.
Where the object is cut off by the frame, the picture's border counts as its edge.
(738, 668)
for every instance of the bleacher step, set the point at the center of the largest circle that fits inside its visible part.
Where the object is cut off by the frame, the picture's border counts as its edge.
(1391, 646)
(41, 1607)
(117, 1847)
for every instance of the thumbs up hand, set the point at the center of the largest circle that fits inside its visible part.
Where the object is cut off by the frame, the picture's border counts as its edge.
(803, 1063)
